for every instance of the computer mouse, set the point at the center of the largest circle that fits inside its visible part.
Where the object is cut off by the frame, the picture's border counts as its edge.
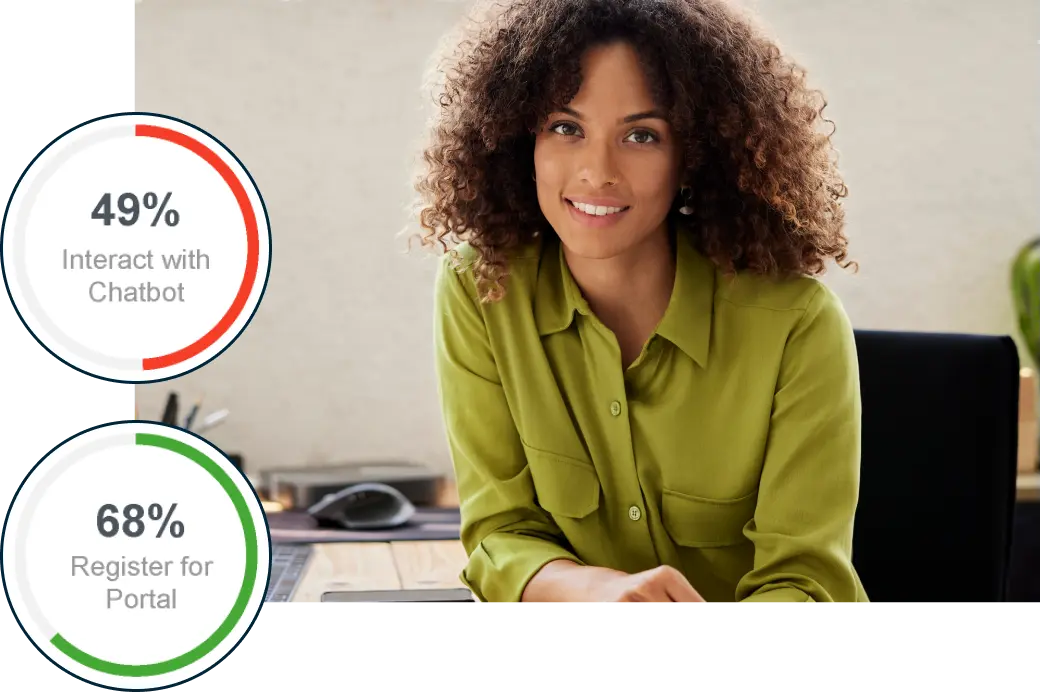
(364, 506)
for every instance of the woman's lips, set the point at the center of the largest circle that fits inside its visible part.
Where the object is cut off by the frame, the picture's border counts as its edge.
(593, 221)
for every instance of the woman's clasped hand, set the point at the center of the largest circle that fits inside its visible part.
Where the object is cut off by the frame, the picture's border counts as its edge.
(564, 580)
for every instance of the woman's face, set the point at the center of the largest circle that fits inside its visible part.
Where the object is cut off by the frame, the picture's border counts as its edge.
(607, 150)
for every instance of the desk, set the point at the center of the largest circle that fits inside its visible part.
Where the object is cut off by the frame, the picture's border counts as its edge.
(427, 564)
(381, 566)
(385, 566)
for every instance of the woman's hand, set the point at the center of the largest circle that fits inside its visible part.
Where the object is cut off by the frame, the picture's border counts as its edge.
(661, 584)
(563, 580)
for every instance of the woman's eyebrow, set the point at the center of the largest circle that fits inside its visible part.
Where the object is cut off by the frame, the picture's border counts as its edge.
(643, 115)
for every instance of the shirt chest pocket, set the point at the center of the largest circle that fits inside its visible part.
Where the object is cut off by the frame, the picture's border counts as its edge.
(564, 486)
(697, 522)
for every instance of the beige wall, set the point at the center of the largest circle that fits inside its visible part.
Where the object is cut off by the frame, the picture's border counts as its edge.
(936, 103)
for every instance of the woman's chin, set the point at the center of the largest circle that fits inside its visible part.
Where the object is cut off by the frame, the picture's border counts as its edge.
(594, 244)
(592, 248)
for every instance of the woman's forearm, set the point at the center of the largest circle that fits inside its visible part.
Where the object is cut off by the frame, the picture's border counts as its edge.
(564, 580)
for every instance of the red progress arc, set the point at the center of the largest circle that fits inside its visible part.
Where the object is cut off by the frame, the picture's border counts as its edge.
(252, 246)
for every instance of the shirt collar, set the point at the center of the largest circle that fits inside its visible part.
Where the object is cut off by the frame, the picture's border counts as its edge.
(687, 321)
(557, 296)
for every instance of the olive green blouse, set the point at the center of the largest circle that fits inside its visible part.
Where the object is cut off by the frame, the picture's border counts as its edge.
(729, 449)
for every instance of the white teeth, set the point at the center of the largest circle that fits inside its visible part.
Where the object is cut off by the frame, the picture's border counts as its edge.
(596, 211)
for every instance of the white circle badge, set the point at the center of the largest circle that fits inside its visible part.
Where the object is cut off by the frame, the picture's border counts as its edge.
(135, 555)
(135, 247)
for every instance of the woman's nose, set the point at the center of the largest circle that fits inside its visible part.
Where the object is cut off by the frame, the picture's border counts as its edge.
(597, 165)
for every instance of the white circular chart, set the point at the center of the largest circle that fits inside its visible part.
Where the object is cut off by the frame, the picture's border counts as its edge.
(135, 556)
(135, 247)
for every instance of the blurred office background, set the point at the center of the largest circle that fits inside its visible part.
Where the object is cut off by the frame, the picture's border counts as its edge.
(936, 104)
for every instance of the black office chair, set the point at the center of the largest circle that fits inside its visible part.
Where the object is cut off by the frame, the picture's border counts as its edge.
(938, 465)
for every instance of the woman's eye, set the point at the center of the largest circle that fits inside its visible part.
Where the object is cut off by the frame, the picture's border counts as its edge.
(646, 136)
(566, 129)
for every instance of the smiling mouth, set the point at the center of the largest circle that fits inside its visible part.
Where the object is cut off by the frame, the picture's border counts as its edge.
(591, 210)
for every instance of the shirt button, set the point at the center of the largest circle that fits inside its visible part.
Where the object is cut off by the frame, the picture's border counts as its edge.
(634, 513)
(616, 408)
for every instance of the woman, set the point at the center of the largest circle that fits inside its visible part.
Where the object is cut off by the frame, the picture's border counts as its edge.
(647, 395)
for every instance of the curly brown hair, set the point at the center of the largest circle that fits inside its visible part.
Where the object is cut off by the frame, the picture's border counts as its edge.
(763, 176)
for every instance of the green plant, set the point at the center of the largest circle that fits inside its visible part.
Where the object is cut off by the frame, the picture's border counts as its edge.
(1025, 271)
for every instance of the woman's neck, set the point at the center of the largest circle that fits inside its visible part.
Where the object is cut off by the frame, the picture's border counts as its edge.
(630, 292)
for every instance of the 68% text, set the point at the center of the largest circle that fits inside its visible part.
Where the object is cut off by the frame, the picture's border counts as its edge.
(133, 524)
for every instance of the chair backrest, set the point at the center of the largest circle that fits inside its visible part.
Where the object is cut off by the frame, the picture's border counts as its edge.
(938, 465)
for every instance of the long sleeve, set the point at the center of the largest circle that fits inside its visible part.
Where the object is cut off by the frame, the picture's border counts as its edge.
(507, 536)
(803, 523)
